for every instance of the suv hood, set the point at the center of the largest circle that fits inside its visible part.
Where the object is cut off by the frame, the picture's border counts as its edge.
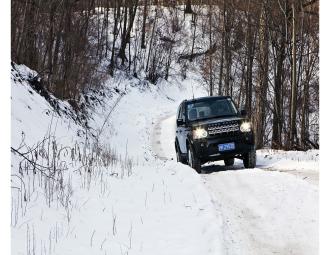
(216, 120)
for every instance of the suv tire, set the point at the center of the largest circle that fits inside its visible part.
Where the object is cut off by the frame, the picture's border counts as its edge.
(249, 159)
(229, 161)
(193, 161)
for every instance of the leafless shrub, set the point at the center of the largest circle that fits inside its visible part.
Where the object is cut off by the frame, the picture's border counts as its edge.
(45, 167)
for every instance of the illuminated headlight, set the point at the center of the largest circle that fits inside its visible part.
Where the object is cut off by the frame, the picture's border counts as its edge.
(246, 127)
(199, 133)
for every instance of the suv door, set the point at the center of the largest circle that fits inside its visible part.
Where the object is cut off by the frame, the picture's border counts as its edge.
(178, 127)
(181, 129)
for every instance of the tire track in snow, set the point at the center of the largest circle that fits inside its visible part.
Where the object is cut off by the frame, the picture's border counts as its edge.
(310, 176)
(163, 137)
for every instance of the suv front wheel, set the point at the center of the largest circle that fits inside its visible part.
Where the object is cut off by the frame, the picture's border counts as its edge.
(249, 159)
(193, 161)
(229, 161)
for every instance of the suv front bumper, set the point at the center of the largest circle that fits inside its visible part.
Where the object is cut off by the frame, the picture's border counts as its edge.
(207, 149)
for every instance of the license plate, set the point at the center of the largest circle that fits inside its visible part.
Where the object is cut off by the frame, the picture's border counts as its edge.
(226, 146)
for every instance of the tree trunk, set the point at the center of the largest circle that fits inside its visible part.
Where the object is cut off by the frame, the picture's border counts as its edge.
(151, 39)
(210, 54)
(293, 105)
(143, 43)
(249, 70)
(127, 30)
(278, 100)
(116, 14)
(188, 8)
(194, 37)
(261, 89)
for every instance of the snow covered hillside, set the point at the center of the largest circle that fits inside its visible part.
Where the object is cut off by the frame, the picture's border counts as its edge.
(103, 190)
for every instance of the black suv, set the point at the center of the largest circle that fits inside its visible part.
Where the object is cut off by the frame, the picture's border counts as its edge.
(211, 129)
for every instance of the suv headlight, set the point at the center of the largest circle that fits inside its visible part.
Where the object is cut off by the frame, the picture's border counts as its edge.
(199, 133)
(246, 127)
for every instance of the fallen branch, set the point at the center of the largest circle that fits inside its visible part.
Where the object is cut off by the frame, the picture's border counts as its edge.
(37, 166)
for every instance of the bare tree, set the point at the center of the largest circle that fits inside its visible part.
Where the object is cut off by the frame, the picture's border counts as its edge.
(262, 84)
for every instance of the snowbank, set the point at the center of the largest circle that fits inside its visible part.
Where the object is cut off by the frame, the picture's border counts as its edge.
(129, 201)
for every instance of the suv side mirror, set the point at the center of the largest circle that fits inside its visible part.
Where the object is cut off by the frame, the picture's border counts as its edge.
(243, 112)
(179, 122)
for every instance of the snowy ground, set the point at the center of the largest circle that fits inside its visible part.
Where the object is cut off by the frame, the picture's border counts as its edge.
(272, 209)
(137, 199)
(136, 204)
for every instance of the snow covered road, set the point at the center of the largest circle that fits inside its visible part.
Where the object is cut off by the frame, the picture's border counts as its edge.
(272, 209)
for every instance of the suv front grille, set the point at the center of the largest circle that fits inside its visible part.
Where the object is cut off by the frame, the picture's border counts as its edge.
(223, 127)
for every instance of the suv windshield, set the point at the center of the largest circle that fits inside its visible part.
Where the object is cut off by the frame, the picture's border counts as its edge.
(210, 108)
